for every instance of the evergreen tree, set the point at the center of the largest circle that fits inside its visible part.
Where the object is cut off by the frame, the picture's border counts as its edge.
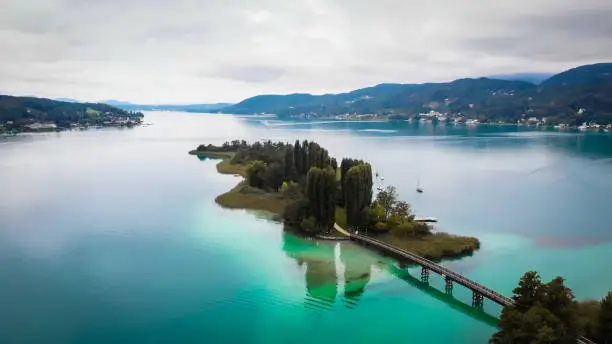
(331, 194)
(510, 323)
(297, 157)
(323, 160)
(289, 163)
(605, 320)
(321, 194)
(529, 291)
(345, 166)
(304, 156)
(313, 155)
(274, 176)
(559, 300)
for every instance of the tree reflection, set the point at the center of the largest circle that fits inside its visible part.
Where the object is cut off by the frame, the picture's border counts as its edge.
(321, 276)
(357, 272)
(319, 260)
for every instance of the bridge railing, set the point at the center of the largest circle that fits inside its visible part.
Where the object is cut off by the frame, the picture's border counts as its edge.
(495, 296)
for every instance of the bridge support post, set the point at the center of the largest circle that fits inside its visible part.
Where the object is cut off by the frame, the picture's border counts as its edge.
(477, 300)
(424, 275)
(449, 286)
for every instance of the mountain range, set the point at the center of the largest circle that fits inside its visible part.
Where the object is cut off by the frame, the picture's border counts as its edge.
(574, 96)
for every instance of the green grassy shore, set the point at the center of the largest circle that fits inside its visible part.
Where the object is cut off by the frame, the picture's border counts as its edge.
(435, 246)
(242, 196)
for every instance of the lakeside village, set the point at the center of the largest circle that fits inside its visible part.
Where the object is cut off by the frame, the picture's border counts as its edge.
(102, 120)
(436, 117)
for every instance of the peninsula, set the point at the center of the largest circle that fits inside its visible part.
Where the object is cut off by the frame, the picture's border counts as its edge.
(29, 114)
(304, 186)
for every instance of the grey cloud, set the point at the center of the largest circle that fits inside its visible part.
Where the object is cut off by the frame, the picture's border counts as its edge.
(255, 74)
(579, 35)
(179, 50)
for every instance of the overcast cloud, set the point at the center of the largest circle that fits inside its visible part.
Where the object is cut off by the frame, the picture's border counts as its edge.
(188, 51)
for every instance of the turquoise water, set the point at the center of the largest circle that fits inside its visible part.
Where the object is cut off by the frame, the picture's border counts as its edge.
(114, 236)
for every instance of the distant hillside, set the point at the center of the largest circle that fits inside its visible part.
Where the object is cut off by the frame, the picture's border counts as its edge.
(589, 75)
(574, 96)
(167, 107)
(582, 94)
(458, 96)
(534, 78)
(24, 110)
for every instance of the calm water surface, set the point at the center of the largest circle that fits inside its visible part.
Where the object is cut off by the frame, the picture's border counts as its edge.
(114, 236)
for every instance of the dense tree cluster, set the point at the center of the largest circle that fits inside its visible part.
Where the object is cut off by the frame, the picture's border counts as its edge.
(309, 165)
(547, 313)
(269, 152)
(232, 146)
(305, 173)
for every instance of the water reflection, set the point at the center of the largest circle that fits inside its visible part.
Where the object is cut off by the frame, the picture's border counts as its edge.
(473, 312)
(357, 273)
(321, 277)
(321, 261)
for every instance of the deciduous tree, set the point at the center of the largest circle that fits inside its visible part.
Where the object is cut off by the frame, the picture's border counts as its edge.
(256, 171)
(387, 199)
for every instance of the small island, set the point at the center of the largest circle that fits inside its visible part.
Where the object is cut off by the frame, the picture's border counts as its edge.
(306, 188)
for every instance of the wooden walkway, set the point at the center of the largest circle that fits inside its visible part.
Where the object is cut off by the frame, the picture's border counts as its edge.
(450, 276)
(431, 266)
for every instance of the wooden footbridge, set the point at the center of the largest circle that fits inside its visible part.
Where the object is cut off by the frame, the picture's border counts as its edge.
(479, 291)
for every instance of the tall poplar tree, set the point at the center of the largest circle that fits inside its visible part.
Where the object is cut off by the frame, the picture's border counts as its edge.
(357, 193)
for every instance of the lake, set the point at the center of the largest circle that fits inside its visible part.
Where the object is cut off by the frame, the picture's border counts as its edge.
(113, 235)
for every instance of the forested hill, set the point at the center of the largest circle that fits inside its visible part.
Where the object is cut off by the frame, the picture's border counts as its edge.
(25, 110)
(574, 96)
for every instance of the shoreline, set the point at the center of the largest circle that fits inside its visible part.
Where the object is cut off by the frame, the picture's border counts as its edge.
(602, 128)
(435, 246)
(15, 132)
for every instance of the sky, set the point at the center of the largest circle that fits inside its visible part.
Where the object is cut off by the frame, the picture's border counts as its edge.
(188, 51)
